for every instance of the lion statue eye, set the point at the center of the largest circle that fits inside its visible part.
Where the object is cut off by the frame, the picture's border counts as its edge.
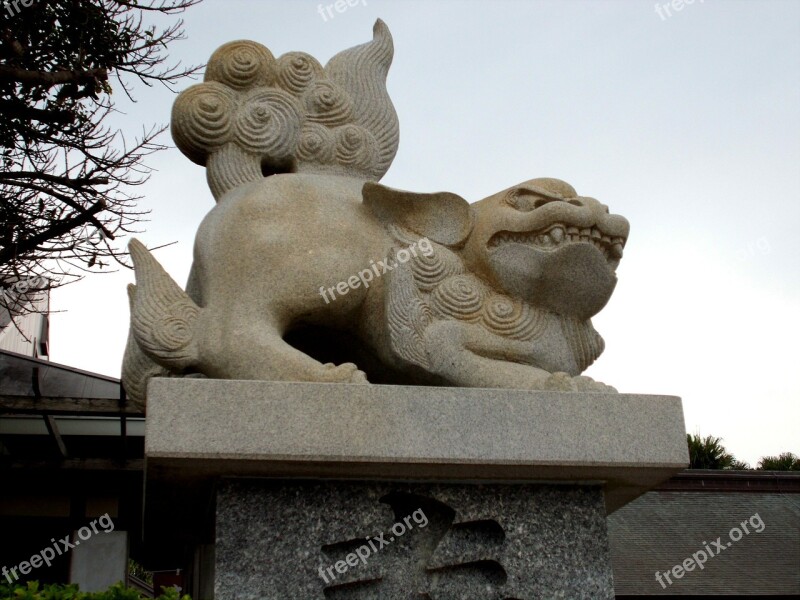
(526, 201)
(521, 202)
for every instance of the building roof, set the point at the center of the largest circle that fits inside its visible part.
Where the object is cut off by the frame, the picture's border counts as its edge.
(685, 517)
(78, 410)
(19, 372)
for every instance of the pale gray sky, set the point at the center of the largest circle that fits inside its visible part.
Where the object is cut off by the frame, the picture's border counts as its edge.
(687, 124)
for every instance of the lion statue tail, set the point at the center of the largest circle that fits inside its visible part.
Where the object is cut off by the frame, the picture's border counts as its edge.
(137, 367)
(162, 338)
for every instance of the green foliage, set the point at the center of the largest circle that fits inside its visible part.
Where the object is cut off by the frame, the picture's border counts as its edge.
(33, 591)
(138, 571)
(739, 465)
(784, 462)
(709, 453)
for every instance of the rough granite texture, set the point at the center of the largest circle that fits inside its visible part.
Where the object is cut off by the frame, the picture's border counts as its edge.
(307, 269)
(498, 542)
(204, 428)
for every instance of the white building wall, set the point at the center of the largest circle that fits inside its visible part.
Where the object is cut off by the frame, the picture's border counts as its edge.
(30, 336)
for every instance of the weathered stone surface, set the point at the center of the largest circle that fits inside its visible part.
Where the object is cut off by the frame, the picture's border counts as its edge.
(564, 453)
(309, 270)
(255, 115)
(283, 539)
(200, 429)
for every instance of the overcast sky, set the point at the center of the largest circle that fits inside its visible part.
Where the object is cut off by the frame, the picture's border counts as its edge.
(686, 122)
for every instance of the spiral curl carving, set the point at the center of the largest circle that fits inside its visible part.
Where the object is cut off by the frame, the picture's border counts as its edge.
(268, 123)
(297, 71)
(355, 147)
(328, 104)
(460, 297)
(241, 65)
(175, 331)
(201, 119)
(430, 270)
(317, 144)
(509, 318)
(361, 72)
(269, 109)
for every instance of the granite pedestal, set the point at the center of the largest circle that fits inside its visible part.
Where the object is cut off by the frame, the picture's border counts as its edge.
(312, 540)
(355, 491)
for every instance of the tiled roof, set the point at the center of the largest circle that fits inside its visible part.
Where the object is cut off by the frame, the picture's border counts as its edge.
(663, 529)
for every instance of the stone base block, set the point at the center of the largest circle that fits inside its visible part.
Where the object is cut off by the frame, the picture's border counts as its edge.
(291, 480)
(199, 429)
(282, 539)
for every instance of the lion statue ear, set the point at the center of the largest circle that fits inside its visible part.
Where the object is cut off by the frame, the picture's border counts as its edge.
(442, 217)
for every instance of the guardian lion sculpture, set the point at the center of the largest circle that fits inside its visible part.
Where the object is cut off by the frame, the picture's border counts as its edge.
(307, 269)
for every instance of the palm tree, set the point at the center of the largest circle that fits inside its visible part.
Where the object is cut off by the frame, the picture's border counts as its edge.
(784, 462)
(709, 453)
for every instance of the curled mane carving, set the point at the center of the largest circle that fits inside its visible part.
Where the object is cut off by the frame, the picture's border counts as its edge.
(255, 115)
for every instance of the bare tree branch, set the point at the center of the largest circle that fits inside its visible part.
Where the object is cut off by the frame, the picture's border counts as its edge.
(16, 75)
(66, 178)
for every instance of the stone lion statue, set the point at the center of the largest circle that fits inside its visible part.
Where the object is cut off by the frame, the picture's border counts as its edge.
(307, 269)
